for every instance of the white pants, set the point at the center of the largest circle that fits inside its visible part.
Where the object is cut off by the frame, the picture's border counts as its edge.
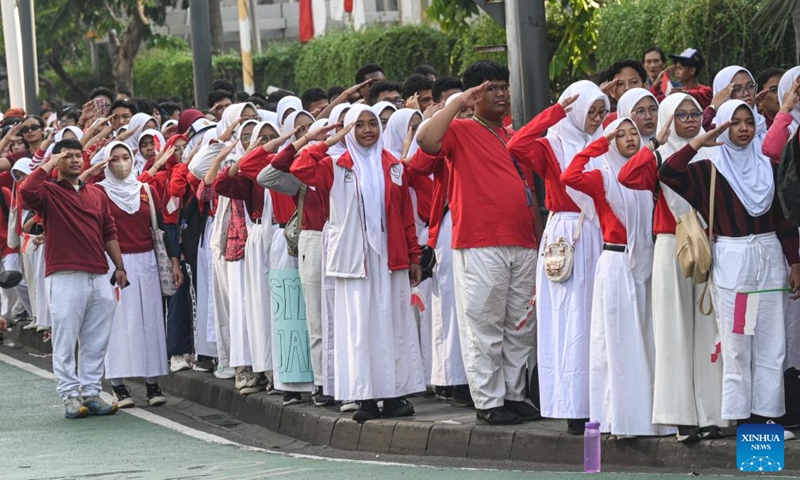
(29, 270)
(494, 286)
(259, 305)
(204, 344)
(222, 310)
(563, 321)
(310, 258)
(137, 346)
(447, 364)
(752, 365)
(688, 385)
(82, 307)
(240, 343)
(328, 301)
(43, 295)
(622, 351)
(18, 294)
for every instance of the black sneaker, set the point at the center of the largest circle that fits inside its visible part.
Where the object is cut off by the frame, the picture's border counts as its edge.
(397, 407)
(497, 416)
(711, 432)
(154, 395)
(205, 364)
(367, 410)
(461, 397)
(576, 426)
(292, 398)
(123, 396)
(320, 399)
(688, 434)
(443, 393)
(525, 410)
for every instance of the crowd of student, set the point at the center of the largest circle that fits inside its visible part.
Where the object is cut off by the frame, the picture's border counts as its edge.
(423, 257)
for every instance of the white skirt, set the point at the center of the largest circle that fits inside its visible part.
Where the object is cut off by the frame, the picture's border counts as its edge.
(377, 351)
(328, 300)
(622, 351)
(204, 342)
(240, 343)
(425, 318)
(259, 304)
(42, 299)
(563, 316)
(137, 346)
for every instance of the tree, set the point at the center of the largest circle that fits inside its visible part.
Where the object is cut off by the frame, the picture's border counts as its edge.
(217, 33)
(774, 17)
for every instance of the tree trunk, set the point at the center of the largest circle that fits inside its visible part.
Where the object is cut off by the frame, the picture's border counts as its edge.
(126, 50)
(54, 59)
(217, 33)
(796, 25)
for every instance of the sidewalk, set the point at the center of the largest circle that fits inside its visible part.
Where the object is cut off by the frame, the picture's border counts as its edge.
(438, 429)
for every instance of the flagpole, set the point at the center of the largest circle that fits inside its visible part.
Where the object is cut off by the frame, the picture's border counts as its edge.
(246, 46)
(16, 81)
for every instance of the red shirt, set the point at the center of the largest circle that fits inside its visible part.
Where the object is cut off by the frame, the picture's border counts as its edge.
(425, 164)
(283, 206)
(133, 230)
(159, 184)
(239, 187)
(777, 136)
(528, 146)
(640, 173)
(591, 183)
(488, 200)
(78, 223)
(702, 93)
(316, 206)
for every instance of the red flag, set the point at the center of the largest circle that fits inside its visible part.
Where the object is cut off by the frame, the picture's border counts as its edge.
(348, 6)
(306, 21)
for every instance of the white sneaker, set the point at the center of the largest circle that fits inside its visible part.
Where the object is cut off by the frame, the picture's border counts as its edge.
(348, 407)
(787, 435)
(31, 325)
(225, 373)
(240, 377)
(178, 363)
(42, 328)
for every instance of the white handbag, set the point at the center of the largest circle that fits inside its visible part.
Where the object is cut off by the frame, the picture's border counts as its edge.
(559, 256)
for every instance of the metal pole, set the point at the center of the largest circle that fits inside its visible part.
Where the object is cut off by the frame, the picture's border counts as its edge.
(201, 50)
(29, 60)
(526, 37)
(16, 85)
(246, 45)
(255, 29)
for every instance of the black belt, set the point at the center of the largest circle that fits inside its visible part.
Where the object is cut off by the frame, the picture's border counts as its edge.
(279, 225)
(615, 248)
(257, 221)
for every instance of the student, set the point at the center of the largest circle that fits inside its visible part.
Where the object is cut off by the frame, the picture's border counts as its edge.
(688, 379)
(767, 99)
(735, 83)
(753, 244)
(78, 220)
(495, 255)
(686, 69)
(786, 121)
(563, 309)
(384, 111)
(137, 345)
(622, 349)
(384, 91)
(419, 87)
(654, 61)
(286, 106)
(376, 341)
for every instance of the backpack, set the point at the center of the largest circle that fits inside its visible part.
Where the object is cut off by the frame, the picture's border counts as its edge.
(788, 181)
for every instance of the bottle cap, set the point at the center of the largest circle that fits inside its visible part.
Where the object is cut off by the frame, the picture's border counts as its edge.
(593, 425)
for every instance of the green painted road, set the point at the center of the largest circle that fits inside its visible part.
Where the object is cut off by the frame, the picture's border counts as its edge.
(37, 442)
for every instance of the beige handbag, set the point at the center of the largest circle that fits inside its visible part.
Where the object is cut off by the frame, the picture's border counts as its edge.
(559, 256)
(694, 244)
(166, 281)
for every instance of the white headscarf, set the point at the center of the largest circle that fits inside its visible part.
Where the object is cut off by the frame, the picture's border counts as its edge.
(747, 170)
(787, 80)
(633, 208)
(369, 168)
(286, 103)
(379, 107)
(23, 165)
(289, 124)
(158, 140)
(230, 115)
(337, 150)
(267, 116)
(124, 193)
(628, 101)
(322, 122)
(396, 131)
(259, 126)
(241, 149)
(667, 109)
(60, 136)
(568, 138)
(169, 123)
(724, 78)
(138, 120)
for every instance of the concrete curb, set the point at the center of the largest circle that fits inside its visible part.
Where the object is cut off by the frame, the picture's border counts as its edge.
(327, 427)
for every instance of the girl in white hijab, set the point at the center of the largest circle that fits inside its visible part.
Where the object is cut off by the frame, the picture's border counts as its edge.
(687, 385)
(376, 345)
(788, 118)
(146, 151)
(622, 350)
(741, 86)
(753, 244)
(384, 111)
(137, 345)
(140, 122)
(286, 106)
(563, 308)
(337, 116)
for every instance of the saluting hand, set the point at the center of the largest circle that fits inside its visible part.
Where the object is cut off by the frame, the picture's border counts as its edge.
(128, 133)
(471, 97)
(339, 136)
(722, 96)
(565, 104)
(663, 135)
(228, 133)
(709, 139)
(319, 134)
(790, 98)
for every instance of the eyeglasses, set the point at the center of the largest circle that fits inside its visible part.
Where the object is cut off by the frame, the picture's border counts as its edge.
(686, 116)
(599, 114)
(399, 102)
(739, 89)
(246, 137)
(30, 128)
(646, 112)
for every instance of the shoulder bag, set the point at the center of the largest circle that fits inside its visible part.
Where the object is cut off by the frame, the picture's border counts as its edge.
(162, 258)
(559, 256)
(295, 225)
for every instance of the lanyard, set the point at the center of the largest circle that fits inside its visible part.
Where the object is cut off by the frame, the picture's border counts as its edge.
(528, 193)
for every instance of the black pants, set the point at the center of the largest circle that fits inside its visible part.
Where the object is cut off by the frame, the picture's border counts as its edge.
(180, 324)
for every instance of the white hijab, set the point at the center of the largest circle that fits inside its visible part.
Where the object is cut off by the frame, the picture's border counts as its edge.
(230, 115)
(379, 107)
(747, 170)
(787, 80)
(567, 138)
(138, 120)
(668, 106)
(158, 139)
(627, 102)
(23, 165)
(289, 124)
(337, 150)
(368, 165)
(633, 208)
(241, 149)
(397, 130)
(286, 103)
(259, 126)
(724, 78)
(124, 193)
(60, 136)
(267, 116)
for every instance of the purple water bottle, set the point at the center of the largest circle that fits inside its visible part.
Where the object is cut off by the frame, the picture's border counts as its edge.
(592, 454)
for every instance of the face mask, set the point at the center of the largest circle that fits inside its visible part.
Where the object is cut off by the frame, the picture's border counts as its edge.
(121, 169)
